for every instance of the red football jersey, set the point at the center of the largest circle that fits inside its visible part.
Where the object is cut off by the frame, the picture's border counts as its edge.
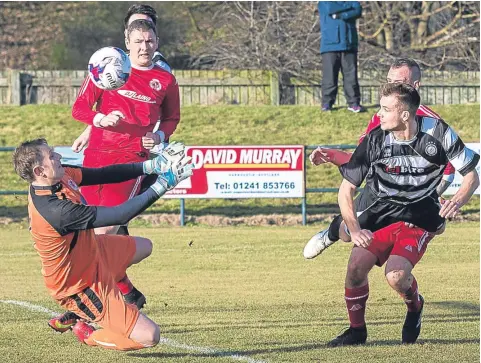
(150, 94)
(422, 111)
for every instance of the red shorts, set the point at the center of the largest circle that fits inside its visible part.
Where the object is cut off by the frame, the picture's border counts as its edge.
(400, 240)
(110, 195)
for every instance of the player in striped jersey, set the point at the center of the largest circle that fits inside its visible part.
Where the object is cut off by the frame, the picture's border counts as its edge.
(402, 161)
(396, 239)
(402, 70)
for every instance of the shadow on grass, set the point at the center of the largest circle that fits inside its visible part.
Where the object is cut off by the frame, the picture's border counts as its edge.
(298, 348)
(287, 324)
(460, 305)
(460, 312)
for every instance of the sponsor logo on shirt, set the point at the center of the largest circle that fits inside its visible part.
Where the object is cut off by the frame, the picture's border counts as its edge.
(404, 170)
(135, 96)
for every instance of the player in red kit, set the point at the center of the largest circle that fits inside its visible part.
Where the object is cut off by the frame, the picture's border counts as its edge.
(135, 12)
(123, 120)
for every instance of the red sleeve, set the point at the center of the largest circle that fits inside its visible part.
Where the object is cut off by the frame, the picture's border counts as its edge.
(88, 95)
(170, 110)
(375, 122)
(449, 169)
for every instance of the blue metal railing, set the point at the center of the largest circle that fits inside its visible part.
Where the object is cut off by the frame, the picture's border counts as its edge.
(76, 157)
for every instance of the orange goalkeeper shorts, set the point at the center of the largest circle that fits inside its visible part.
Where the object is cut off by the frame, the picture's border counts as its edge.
(102, 302)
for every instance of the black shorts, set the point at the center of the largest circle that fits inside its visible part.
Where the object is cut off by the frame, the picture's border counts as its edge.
(374, 213)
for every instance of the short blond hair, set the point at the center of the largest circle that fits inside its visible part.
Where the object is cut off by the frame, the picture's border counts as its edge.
(26, 157)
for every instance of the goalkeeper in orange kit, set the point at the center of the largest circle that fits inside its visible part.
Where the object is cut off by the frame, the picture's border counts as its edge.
(80, 268)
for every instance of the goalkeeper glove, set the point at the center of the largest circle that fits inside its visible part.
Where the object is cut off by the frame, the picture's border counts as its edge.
(173, 175)
(171, 154)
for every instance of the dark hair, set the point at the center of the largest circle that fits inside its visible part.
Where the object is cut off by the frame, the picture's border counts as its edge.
(405, 93)
(141, 24)
(411, 64)
(26, 157)
(140, 9)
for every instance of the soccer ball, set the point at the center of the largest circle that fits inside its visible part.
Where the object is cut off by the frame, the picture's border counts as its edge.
(109, 68)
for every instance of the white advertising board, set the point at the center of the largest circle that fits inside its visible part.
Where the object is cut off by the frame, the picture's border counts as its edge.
(244, 172)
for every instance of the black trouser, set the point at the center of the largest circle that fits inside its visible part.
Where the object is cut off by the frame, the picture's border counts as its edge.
(332, 62)
(374, 214)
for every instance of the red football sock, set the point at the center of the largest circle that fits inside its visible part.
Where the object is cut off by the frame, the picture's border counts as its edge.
(356, 305)
(411, 297)
(124, 285)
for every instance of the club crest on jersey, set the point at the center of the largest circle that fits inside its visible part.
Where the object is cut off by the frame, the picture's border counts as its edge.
(72, 184)
(386, 153)
(155, 85)
(431, 149)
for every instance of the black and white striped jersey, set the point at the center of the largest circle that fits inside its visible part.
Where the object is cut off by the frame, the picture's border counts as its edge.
(408, 171)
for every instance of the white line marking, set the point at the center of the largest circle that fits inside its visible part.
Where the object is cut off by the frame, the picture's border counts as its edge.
(18, 254)
(30, 306)
(210, 351)
(165, 341)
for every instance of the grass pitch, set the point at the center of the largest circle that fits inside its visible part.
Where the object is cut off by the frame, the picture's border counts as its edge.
(246, 294)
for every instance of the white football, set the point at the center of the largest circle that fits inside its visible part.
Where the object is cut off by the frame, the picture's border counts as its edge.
(109, 68)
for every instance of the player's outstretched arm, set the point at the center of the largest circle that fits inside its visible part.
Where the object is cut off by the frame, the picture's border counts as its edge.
(468, 186)
(118, 173)
(71, 217)
(323, 155)
(167, 180)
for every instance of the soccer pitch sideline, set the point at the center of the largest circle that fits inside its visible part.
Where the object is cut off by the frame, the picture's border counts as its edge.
(246, 294)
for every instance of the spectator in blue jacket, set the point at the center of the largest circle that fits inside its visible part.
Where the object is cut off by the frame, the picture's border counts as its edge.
(339, 51)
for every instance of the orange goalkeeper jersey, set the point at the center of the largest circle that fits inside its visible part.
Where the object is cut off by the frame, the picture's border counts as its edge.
(60, 224)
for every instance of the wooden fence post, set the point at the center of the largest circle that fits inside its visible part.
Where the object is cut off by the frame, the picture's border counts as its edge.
(13, 94)
(274, 85)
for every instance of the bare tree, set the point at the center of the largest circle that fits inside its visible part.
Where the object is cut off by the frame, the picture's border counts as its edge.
(276, 35)
(280, 36)
(438, 34)
(284, 36)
